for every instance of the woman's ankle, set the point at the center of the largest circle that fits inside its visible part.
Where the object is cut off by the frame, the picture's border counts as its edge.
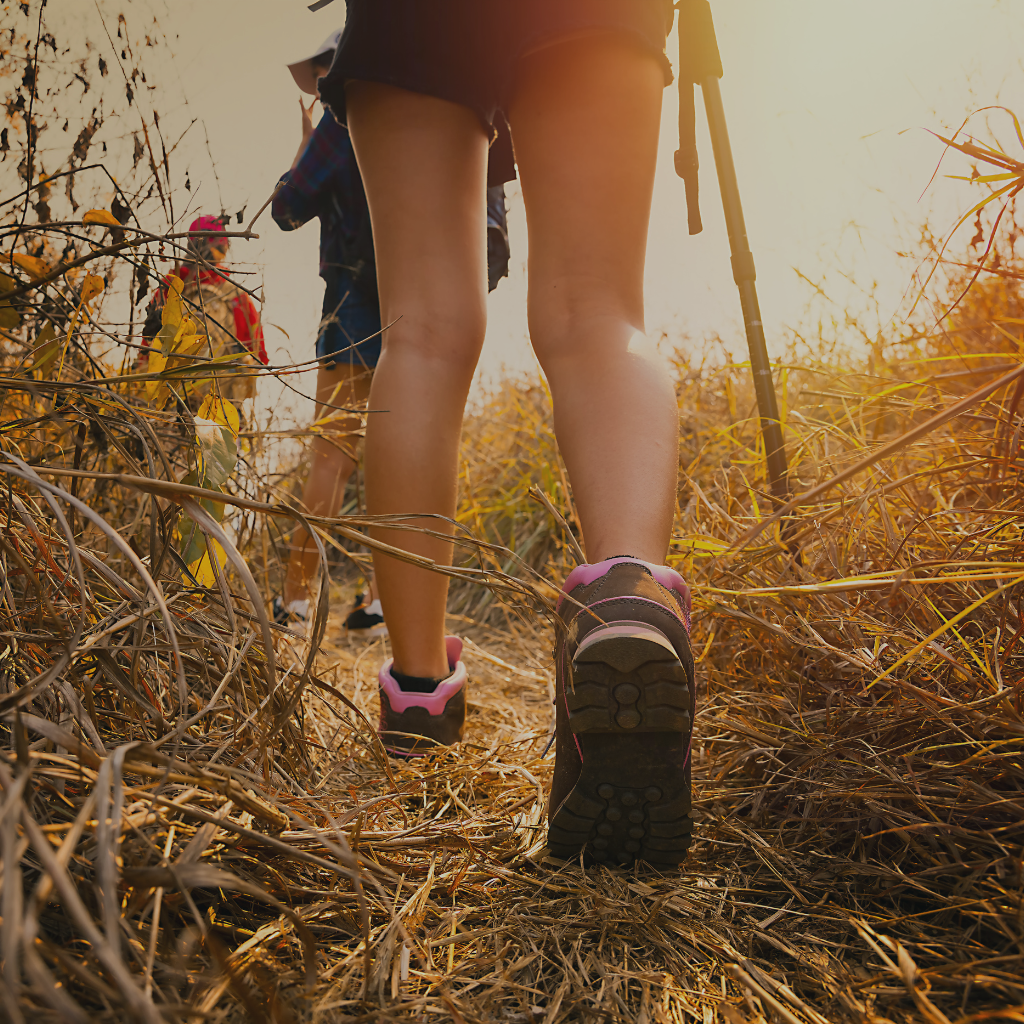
(428, 662)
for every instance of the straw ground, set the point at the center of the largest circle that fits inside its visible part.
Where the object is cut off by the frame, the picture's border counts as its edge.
(244, 851)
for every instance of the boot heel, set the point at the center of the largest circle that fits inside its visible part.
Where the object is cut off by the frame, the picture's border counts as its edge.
(627, 677)
(624, 689)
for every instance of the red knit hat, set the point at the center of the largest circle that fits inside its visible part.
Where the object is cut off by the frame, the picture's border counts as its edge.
(209, 223)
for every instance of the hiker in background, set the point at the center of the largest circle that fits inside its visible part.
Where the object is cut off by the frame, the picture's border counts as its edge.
(226, 313)
(421, 87)
(324, 182)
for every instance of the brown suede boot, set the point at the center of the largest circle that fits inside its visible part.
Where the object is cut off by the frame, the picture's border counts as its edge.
(624, 715)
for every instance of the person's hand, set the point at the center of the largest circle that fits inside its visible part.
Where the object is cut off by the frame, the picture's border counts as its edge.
(307, 128)
(307, 119)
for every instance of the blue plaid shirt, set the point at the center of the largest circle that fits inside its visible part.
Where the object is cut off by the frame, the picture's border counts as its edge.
(325, 183)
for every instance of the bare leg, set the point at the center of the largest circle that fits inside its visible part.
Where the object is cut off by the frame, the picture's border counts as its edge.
(346, 385)
(423, 161)
(585, 121)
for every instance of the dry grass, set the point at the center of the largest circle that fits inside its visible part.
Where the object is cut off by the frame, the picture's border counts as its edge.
(858, 769)
(198, 824)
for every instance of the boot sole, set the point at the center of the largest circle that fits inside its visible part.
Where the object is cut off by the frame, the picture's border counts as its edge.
(629, 708)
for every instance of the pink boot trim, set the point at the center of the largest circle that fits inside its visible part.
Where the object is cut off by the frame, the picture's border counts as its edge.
(586, 574)
(434, 702)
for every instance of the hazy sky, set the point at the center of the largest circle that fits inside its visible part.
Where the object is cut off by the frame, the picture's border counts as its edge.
(827, 103)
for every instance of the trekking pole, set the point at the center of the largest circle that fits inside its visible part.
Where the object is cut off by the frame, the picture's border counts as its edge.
(700, 64)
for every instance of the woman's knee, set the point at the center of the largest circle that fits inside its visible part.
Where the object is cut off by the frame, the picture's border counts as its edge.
(449, 337)
(565, 329)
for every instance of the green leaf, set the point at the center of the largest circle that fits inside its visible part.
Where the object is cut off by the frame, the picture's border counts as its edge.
(218, 452)
(192, 540)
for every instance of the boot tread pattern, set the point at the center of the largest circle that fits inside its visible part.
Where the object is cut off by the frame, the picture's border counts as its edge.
(632, 800)
(628, 825)
(652, 694)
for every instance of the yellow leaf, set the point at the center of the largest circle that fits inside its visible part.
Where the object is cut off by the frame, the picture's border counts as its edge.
(172, 313)
(190, 344)
(9, 316)
(184, 336)
(202, 569)
(101, 217)
(91, 287)
(32, 265)
(183, 357)
(220, 410)
(157, 362)
(45, 350)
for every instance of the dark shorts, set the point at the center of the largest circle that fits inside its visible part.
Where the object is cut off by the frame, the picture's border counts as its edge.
(349, 329)
(466, 51)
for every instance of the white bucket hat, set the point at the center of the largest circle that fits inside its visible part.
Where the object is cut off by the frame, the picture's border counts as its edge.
(302, 70)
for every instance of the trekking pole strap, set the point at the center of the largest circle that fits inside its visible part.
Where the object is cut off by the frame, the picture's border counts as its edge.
(698, 59)
(686, 156)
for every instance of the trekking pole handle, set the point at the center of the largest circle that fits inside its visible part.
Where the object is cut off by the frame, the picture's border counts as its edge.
(698, 46)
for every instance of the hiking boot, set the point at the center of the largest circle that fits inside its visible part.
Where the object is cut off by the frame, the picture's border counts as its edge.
(624, 706)
(414, 722)
(367, 619)
(294, 613)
